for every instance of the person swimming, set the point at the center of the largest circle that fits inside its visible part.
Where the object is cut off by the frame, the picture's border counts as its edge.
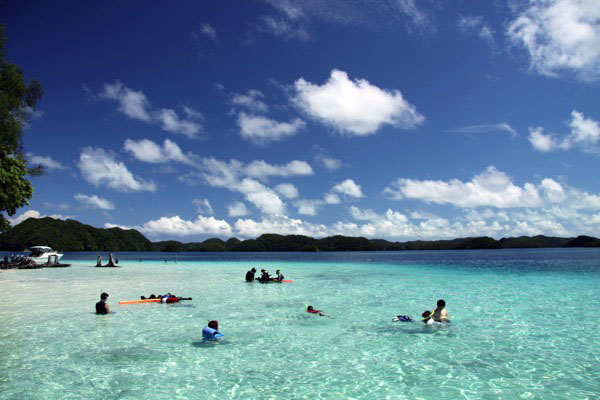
(311, 310)
(427, 317)
(402, 318)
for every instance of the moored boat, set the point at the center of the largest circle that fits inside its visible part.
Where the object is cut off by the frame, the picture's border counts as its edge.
(43, 254)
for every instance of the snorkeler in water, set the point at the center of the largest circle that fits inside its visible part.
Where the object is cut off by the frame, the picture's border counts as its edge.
(311, 310)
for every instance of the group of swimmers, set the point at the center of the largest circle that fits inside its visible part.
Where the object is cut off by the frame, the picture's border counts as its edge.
(211, 332)
(264, 277)
(438, 316)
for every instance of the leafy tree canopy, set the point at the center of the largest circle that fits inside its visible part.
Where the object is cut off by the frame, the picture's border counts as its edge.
(17, 101)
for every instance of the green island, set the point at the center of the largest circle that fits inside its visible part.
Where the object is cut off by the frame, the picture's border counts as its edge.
(71, 235)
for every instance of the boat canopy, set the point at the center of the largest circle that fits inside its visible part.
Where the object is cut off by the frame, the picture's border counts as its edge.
(40, 248)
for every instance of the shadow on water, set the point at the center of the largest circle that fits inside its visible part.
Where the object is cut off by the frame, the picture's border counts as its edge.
(210, 343)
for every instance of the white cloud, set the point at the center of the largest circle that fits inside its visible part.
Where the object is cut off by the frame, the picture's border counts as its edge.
(331, 164)
(322, 158)
(147, 151)
(560, 36)
(132, 103)
(171, 122)
(490, 188)
(203, 206)
(263, 198)
(354, 107)
(263, 130)
(287, 190)
(262, 170)
(279, 224)
(135, 105)
(100, 168)
(349, 188)
(94, 201)
(251, 100)
(227, 175)
(476, 25)
(493, 188)
(585, 134)
(485, 128)
(332, 198)
(207, 30)
(542, 142)
(34, 214)
(293, 19)
(46, 161)
(237, 209)
(176, 226)
(417, 16)
(308, 207)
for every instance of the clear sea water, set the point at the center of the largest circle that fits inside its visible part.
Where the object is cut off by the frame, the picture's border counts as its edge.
(525, 325)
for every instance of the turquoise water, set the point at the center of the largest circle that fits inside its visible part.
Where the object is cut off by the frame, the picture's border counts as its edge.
(525, 325)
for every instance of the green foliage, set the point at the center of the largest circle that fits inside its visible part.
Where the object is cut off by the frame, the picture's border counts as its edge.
(539, 241)
(15, 189)
(17, 100)
(170, 246)
(71, 235)
(74, 236)
(583, 241)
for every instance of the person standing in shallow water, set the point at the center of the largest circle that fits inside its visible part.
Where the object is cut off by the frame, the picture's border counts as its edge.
(102, 306)
(250, 275)
(440, 314)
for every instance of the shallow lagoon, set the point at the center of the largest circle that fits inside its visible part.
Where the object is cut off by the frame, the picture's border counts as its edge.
(525, 326)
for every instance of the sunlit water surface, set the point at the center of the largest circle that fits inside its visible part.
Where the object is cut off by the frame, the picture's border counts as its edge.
(525, 325)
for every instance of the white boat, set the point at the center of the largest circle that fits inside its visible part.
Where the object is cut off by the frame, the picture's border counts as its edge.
(41, 254)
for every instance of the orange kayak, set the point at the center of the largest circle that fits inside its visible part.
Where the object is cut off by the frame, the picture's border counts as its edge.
(169, 300)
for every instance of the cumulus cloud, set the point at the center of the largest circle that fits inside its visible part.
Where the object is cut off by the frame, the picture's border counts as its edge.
(34, 214)
(261, 170)
(250, 100)
(263, 130)
(493, 188)
(134, 104)
(203, 206)
(46, 161)
(287, 190)
(584, 134)
(490, 188)
(171, 122)
(94, 201)
(99, 167)
(560, 36)
(485, 128)
(219, 173)
(348, 188)
(279, 224)
(148, 151)
(354, 107)
(237, 209)
(176, 226)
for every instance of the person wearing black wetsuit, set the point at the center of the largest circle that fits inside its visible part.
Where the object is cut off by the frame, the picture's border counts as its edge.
(101, 306)
(250, 275)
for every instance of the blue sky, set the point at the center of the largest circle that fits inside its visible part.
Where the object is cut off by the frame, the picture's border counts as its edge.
(386, 119)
